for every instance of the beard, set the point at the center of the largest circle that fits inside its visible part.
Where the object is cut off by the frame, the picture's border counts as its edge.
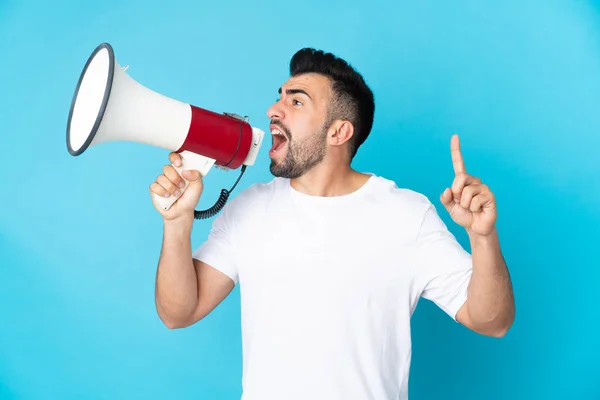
(301, 156)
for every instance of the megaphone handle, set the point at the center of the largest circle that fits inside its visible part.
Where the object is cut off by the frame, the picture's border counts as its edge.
(189, 161)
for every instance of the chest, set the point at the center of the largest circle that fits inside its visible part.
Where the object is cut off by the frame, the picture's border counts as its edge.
(334, 259)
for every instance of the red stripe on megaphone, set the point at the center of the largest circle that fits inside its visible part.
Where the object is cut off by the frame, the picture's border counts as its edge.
(218, 136)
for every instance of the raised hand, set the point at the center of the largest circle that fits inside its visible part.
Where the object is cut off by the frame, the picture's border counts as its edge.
(470, 203)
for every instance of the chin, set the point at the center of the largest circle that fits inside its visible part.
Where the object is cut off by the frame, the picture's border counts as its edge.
(276, 169)
(279, 170)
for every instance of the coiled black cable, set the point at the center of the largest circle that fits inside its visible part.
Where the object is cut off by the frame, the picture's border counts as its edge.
(221, 201)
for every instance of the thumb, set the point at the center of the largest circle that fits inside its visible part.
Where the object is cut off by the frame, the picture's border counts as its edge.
(191, 195)
(193, 176)
(447, 199)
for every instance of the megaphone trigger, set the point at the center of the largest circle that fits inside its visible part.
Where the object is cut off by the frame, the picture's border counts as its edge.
(189, 161)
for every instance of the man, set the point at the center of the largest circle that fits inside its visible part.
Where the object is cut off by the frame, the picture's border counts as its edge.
(331, 262)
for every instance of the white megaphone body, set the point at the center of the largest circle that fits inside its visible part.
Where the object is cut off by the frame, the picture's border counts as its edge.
(108, 105)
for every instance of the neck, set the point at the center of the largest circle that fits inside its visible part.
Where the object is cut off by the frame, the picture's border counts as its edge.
(326, 180)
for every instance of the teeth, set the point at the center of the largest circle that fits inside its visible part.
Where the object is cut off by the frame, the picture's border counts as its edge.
(276, 132)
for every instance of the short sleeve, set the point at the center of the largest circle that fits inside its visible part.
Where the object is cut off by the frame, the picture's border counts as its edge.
(218, 250)
(444, 267)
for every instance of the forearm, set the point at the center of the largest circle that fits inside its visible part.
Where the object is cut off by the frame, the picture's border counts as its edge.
(490, 295)
(176, 280)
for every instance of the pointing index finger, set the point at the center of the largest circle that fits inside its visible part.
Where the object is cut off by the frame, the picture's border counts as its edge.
(457, 158)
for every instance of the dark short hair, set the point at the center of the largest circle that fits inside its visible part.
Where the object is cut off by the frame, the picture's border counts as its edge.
(353, 100)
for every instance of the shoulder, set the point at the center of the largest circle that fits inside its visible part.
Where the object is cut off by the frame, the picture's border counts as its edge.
(260, 190)
(389, 194)
(255, 195)
(400, 207)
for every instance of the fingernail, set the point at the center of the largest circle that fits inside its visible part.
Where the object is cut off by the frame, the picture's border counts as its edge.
(166, 194)
(182, 184)
(177, 193)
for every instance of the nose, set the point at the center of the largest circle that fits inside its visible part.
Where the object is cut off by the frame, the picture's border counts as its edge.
(276, 111)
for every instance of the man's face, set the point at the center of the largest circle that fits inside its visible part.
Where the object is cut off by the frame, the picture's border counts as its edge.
(299, 122)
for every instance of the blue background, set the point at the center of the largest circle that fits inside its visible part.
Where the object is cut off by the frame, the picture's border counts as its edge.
(79, 237)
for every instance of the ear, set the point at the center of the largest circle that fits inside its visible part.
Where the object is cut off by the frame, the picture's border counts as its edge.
(340, 132)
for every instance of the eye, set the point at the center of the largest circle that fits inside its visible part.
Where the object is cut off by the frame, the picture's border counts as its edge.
(297, 102)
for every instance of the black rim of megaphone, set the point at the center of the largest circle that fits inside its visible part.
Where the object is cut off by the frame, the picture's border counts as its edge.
(109, 81)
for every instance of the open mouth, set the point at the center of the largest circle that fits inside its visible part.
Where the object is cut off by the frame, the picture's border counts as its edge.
(279, 141)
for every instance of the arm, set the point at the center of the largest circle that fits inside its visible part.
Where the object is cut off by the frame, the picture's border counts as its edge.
(186, 289)
(490, 308)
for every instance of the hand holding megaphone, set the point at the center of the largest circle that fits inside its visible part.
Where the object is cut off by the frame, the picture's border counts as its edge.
(183, 186)
(176, 177)
(108, 105)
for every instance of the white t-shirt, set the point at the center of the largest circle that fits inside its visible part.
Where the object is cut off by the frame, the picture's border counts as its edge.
(328, 286)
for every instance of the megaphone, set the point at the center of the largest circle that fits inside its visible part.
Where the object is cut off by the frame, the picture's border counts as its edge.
(108, 105)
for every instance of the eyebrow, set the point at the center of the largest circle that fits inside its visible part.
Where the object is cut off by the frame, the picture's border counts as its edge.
(295, 91)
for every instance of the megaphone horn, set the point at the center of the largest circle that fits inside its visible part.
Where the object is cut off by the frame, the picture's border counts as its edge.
(108, 105)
